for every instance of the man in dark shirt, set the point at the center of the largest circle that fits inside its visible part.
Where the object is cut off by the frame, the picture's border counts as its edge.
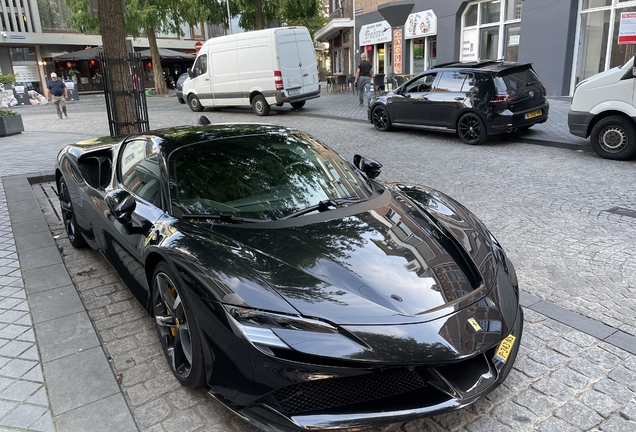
(363, 78)
(56, 91)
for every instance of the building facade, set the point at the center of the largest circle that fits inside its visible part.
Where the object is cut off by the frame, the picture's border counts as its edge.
(566, 40)
(34, 32)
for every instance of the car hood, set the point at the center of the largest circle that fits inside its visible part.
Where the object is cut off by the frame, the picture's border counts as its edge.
(391, 263)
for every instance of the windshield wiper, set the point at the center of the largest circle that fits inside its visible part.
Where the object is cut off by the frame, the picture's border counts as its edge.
(223, 217)
(324, 206)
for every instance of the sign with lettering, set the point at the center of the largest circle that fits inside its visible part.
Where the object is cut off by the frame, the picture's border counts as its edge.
(371, 34)
(397, 51)
(627, 28)
(420, 24)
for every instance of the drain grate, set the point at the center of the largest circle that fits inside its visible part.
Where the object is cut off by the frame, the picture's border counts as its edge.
(621, 211)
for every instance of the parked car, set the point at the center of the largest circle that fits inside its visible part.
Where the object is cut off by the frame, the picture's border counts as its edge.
(473, 99)
(290, 283)
(260, 68)
(180, 82)
(604, 108)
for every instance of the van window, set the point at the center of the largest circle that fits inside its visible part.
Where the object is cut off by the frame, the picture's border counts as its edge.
(201, 65)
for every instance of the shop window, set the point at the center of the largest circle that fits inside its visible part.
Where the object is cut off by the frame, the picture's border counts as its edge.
(489, 44)
(490, 12)
(593, 38)
(55, 15)
(418, 55)
(620, 54)
(513, 10)
(589, 4)
(470, 16)
(513, 35)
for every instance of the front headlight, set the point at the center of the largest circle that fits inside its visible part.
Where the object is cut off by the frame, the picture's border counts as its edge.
(257, 327)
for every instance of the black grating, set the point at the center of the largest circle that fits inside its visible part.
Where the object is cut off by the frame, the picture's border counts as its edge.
(329, 393)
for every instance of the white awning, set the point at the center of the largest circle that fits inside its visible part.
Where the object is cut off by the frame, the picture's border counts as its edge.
(375, 33)
(334, 26)
(420, 24)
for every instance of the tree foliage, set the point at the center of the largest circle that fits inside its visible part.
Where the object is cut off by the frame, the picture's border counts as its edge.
(256, 14)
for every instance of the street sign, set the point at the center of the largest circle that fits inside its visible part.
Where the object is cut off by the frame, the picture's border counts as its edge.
(627, 28)
(198, 45)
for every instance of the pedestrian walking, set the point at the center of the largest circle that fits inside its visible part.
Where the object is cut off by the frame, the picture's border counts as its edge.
(363, 78)
(57, 92)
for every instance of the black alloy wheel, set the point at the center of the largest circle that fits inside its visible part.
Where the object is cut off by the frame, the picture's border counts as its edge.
(380, 118)
(68, 216)
(298, 105)
(614, 138)
(195, 103)
(260, 105)
(471, 129)
(177, 328)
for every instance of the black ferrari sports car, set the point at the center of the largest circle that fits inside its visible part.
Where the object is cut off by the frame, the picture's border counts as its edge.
(297, 288)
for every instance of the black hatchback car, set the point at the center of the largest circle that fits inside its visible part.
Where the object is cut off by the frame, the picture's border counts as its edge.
(473, 99)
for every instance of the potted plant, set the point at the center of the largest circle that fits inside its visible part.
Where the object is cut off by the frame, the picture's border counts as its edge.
(10, 122)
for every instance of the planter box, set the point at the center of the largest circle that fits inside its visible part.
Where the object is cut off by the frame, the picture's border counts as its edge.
(11, 125)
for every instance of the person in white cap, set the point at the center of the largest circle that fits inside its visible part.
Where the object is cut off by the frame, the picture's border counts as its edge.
(57, 92)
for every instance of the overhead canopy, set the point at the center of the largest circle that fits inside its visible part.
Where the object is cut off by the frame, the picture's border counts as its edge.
(167, 54)
(85, 54)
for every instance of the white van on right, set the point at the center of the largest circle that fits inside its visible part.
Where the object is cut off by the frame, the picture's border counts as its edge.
(604, 109)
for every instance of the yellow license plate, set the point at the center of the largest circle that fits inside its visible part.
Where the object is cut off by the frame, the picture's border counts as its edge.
(533, 114)
(505, 347)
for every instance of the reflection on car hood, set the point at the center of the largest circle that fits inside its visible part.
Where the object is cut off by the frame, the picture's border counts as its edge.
(387, 265)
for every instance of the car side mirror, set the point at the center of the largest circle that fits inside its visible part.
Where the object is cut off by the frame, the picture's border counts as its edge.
(367, 165)
(121, 204)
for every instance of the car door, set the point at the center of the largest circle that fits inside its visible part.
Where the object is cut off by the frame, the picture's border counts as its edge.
(138, 173)
(412, 105)
(200, 80)
(447, 98)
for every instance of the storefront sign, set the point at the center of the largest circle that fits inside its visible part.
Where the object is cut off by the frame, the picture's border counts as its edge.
(627, 29)
(375, 33)
(16, 37)
(420, 24)
(26, 73)
(397, 51)
(469, 46)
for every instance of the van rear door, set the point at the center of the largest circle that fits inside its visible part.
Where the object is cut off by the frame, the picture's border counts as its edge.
(297, 61)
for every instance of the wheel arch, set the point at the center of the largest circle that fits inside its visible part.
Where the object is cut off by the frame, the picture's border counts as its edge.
(461, 113)
(602, 115)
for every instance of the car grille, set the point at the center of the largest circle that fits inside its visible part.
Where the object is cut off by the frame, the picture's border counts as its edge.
(329, 393)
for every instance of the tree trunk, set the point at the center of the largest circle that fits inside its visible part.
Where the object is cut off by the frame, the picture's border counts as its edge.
(157, 72)
(111, 22)
(258, 16)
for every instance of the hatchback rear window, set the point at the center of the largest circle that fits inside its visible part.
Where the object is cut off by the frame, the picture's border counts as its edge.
(516, 80)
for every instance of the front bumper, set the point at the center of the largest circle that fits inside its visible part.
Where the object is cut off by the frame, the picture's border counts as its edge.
(424, 391)
(579, 123)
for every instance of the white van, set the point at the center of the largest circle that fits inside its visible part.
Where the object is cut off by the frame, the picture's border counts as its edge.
(604, 108)
(258, 69)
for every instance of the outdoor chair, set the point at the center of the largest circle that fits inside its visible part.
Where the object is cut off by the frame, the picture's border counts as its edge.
(350, 81)
(389, 81)
(342, 83)
(398, 80)
(378, 82)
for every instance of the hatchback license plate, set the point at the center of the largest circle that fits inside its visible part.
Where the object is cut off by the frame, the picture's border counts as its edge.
(505, 347)
(533, 114)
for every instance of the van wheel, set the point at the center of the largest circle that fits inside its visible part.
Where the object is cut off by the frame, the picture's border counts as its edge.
(298, 105)
(260, 105)
(471, 129)
(614, 138)
(195, 103)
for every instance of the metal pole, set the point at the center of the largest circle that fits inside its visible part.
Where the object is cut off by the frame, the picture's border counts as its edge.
(229, 19)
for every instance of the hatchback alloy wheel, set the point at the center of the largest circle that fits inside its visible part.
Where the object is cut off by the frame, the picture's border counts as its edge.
(471, 129)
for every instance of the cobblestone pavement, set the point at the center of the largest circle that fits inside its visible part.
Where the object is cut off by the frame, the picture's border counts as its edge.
(548, 206)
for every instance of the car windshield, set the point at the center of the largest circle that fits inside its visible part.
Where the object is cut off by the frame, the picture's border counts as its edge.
(265, 177)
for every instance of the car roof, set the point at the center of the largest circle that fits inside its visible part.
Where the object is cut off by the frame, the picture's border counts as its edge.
(487, 65)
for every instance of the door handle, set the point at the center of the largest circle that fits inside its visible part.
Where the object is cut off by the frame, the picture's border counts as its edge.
(306, 74)
(207, 79)
(459, 98)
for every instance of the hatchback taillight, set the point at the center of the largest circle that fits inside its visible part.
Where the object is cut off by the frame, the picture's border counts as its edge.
(278, 79)
(544, 89)
(502, 99)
